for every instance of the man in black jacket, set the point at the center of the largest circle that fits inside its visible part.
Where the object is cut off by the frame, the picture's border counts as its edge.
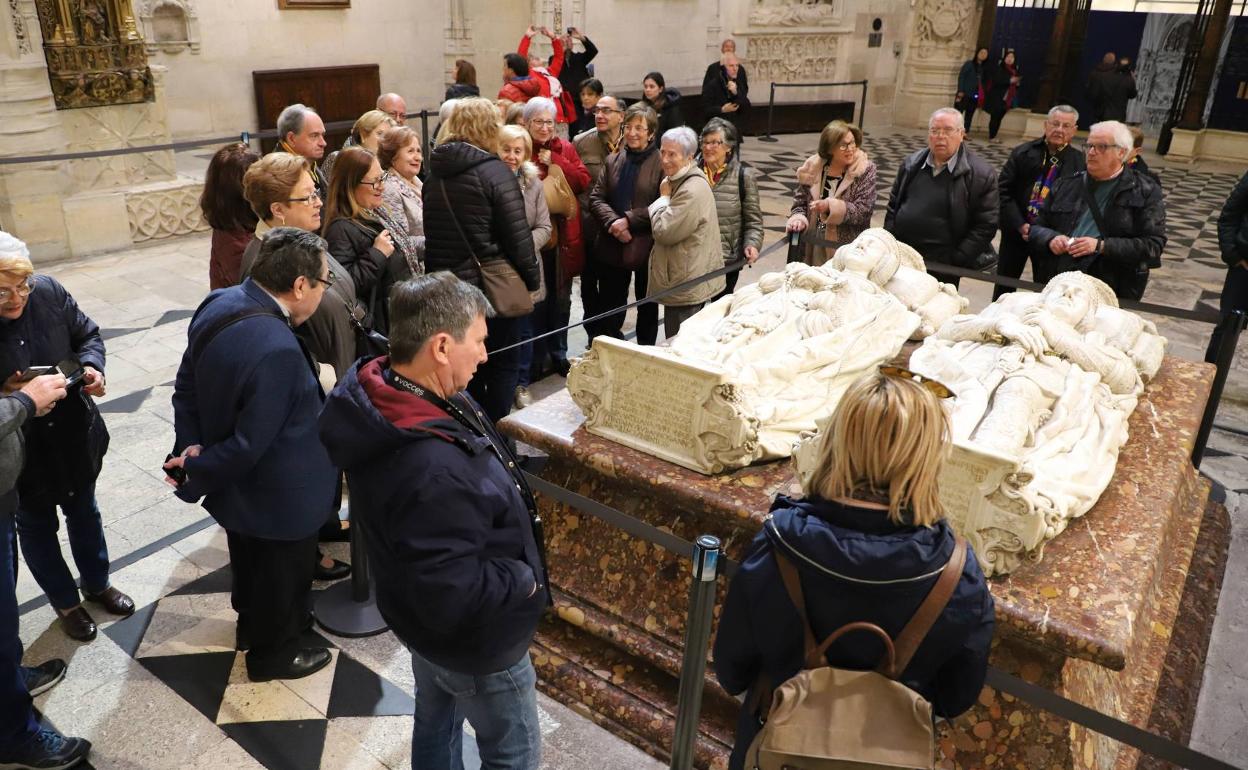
(944, 200)
(1026, 181)
(725, 91)
(1233, 243)
(1110, 87)
(450, 524)
(1109, 221)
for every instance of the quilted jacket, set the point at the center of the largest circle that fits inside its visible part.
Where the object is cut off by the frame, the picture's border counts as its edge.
(489, 207)
(740, 218)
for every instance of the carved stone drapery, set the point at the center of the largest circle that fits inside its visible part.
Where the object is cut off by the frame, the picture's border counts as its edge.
(95, 53)
(792, 58)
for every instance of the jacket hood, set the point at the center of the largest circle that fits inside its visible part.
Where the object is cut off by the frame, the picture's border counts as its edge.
(671, 95)
(365, 418)
(858, 543)
(527, 85)
(454, 158)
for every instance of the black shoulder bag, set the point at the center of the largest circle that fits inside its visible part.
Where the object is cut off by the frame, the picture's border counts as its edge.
(499, 280)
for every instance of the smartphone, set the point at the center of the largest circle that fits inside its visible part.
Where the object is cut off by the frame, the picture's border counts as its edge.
(177, 474)
(35, 371)
(570, 30)
(73, 370)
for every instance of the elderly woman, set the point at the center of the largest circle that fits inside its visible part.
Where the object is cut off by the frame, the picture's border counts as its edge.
(360, 230)
(367, 133)
(686, 232)
(515, 148)
(41, 325)
(556, 158)
(663, 100)
(475, 215)
(836, 188)
(736, 196)
(227, 213)
(865, 545)
(400, 155)
(619, 208)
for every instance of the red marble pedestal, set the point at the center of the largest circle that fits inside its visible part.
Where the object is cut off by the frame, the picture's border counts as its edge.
(1107, 618)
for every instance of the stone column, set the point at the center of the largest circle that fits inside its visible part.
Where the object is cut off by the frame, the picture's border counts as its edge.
(941, 36)
(987, 22)
(30, 193)
(1193, 118)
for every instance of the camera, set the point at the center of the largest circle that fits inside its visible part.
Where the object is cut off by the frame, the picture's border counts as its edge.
(570, 30)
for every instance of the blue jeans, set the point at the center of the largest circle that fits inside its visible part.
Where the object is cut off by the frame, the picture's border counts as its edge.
(526, 352)
(36, 529)
(501, 707)
(17, 718)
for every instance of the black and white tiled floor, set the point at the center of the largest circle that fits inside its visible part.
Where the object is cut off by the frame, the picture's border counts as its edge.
(164, 689)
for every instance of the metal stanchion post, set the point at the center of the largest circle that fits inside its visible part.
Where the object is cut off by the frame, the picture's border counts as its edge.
(1230, 327)
(862, 113)
(771, 111)
(424, 132)
(706, 553)
(349, 607)
(245, 138)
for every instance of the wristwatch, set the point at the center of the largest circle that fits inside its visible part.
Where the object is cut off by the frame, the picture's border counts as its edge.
(1100, 245)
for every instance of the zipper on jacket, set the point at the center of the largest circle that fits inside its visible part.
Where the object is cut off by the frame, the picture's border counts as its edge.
(773, 530)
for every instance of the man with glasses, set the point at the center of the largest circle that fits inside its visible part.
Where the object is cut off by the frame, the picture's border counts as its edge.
(245, 404)
(394, 106)
(944, 200)
(1027, 180)
(1109, 221)
(600, 141)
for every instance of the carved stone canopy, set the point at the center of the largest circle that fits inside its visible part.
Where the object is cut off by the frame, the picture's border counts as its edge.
(95, 53)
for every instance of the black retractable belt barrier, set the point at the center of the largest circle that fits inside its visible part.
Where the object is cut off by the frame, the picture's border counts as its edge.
(349, 607)
(771, 102)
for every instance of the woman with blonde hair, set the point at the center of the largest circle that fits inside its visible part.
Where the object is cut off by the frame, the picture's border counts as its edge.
(835, 193)
(474, 215)
(868, 543)
(366, 133)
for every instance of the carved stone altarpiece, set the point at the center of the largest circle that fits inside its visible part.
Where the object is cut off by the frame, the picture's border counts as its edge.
(95, 53)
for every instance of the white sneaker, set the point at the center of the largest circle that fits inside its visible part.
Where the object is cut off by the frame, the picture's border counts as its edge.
(522, 398)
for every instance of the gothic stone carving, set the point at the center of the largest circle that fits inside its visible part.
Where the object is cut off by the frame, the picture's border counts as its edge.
(800, 14)
(170, 26)
(940, 28)
(95, 53)
(792, 58)
(19, 28)
(165, 212)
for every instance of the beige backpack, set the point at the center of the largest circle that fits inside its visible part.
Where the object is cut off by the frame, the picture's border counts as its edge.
(827, 718)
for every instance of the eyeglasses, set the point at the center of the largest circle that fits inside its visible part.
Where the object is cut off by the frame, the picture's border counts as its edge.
(23, 289)
(540, 122)
(937, 389)
(943, 131)
(712, 143)
(327, 281)
(847, 146)
(1099, 147)
(604, 111)
(315, 196)
(377, 184)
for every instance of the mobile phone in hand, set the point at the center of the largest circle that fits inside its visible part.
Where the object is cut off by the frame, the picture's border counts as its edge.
(177, 474)
(35, 371)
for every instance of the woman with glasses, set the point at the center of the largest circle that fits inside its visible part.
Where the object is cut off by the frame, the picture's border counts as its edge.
(565, 259)
(736, 196)
(401, 157)
(360, 230)
(835, 189)
(227, 213)
(866, 544)
(41, 325)
(366, 133)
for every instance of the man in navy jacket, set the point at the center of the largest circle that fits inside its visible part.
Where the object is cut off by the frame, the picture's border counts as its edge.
(451, 528)
(245, 402)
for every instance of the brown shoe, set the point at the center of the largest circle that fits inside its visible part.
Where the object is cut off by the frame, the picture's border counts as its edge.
(78, 624)
(112, 600)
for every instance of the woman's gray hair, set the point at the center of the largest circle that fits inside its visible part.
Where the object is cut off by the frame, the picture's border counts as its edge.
(428, 305)
(683, 137)
(446, 109)
(724, 129)
(538, 105)
(1122, 135)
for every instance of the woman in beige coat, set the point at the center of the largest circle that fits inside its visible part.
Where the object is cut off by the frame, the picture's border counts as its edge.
(686, 231)
(835, 193)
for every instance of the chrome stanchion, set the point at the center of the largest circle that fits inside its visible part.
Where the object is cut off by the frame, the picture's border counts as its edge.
(706, 554)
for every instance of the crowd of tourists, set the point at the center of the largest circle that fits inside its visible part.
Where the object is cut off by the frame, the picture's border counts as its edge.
(371, 315)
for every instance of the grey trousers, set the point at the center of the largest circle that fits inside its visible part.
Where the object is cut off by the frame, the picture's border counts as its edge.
(675, 315)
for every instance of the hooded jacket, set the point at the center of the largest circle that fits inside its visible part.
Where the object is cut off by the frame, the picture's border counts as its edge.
(760, 630)
(488, 206)
(520, 90)
(452, 538)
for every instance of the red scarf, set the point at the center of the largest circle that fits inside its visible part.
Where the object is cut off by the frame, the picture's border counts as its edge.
(1013, 89)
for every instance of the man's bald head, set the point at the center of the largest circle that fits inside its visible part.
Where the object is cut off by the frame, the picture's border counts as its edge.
(393, 105)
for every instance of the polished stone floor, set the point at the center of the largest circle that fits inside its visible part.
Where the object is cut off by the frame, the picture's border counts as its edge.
(163, 689)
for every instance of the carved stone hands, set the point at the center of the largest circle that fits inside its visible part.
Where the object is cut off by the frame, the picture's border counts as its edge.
(1056, 331)
(1030, 338)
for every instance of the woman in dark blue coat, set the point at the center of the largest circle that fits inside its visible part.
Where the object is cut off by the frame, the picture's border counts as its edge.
(41, 325)
(869, 542)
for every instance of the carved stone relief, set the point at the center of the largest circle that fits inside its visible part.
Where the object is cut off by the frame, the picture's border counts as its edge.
(792, 58)
(19, 29)
(163, 213)
(170, 26)
(797, 14)
(109, 129)
(940, 28)
(95, 53)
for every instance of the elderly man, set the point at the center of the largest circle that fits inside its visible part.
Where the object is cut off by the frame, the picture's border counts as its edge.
(944, 200)
(1110, 87)
(245, 404)
(451, 526)
(302, 133)
(1109, 222)
(1027, 180)
(393, 105)
(686, 232)
(725, 91)
(717, 70)
(600, 141)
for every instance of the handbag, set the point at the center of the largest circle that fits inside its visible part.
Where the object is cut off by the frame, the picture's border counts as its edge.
(559, 196)
(827, 718)
(369, 343)
(499, 280)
